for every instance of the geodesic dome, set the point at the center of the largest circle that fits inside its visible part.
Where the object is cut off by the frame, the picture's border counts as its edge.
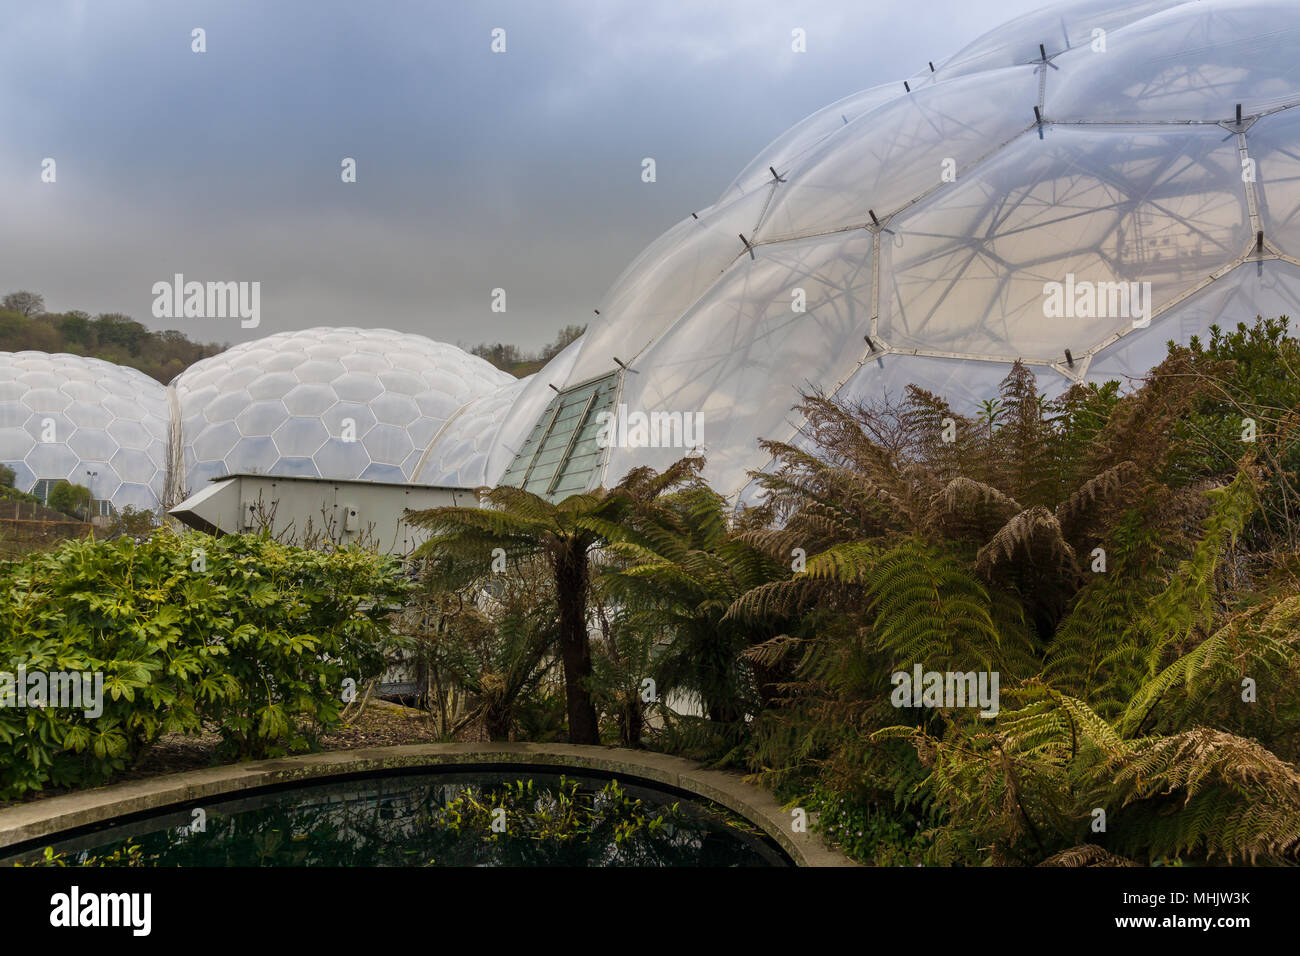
(936, 230)
(325, 403)
(86, 421)
(339, 403)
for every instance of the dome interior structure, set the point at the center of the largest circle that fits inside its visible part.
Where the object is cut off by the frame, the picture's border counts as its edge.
(1071, 191)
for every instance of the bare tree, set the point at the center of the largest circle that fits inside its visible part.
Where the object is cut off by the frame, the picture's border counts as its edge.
(27, 303)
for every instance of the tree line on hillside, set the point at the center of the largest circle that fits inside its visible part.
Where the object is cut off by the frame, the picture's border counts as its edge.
(111, 336)
(513, 359)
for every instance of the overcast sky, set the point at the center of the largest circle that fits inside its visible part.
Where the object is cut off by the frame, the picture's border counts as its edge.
(475, 170)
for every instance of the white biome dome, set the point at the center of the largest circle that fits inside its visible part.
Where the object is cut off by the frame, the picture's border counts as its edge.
(325, 403)
(341, 403)
(1072, 190)
(86, 421)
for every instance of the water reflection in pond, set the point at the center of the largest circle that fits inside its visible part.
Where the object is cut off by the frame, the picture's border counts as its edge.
(464, 818)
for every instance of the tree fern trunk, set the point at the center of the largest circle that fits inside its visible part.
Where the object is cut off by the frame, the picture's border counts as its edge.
(496, 722)
(631, 724)
(575, 650)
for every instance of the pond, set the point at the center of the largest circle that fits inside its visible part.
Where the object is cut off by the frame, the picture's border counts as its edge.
(512, 817)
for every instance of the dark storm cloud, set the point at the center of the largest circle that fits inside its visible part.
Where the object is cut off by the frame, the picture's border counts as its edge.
(475, 170)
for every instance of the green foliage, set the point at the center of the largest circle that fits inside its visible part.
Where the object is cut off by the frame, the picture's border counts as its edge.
(251, 636)
(1252, 374)
(514, 525)
(928, 609)
(110, 336)
(622, 661)
(13, 494)
(881, 834)
(71, 499)
(134, 521)
(674, 569)
(517, 526)
(130, 854)
(562, 814)
(490, 644)
(541, 716)
(9, 493)
(1107, 556)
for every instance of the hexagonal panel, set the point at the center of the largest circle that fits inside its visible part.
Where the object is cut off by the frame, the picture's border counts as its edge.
(357, 387)
(104, 480)
(401, 381)
(896, 153)
(1139, 214)
(47, 400)
(392, 409)
(297, 468)
(206, 471)
(15, 443)
(131, 495)
(94, 444)
(125, 408)
(215, 441)
(273, 385)
(261, 418)
(133, 465)
(130, 434)
(253, 455)
(226, 406)
(49, 427)
(337, 457)
(386, 473)
(299, 437)
(52, 460)
(388, 444)
(24, 477)
(13, 414)
(1192, 62)
(1252, 288)
(309, 399)
(362, 362)
(348, 419)
(89, 414)
(316, 370)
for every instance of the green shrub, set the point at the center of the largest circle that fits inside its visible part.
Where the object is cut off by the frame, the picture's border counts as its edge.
(879, 834)
(73, 500)
(249, 635)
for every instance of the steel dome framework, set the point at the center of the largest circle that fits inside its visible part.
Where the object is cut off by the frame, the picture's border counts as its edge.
(921, 222)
